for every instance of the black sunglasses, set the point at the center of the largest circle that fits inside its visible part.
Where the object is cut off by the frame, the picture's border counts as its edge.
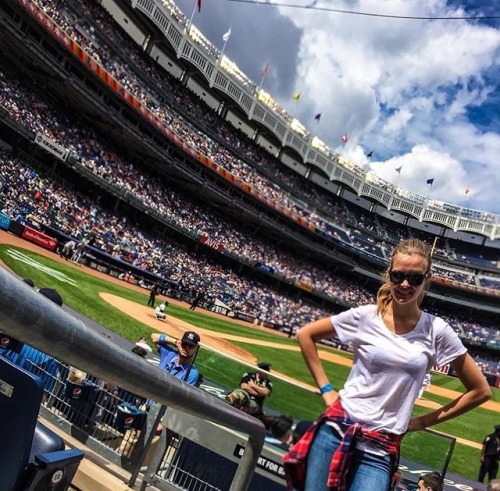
(187, 345)
(414, 279)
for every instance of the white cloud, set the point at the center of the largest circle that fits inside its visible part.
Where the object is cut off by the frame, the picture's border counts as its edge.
(395, 124)
(403, 87)
(418, 166)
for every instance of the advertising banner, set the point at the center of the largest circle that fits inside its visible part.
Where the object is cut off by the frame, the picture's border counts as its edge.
(204, 239)
(51, 146)
(38, 238)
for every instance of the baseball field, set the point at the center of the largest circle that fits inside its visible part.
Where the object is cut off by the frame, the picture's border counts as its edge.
(228, 344)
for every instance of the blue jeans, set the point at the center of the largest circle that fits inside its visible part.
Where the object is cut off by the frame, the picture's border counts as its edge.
(367, 472)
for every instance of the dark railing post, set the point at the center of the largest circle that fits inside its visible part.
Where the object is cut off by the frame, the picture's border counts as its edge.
(154, 418)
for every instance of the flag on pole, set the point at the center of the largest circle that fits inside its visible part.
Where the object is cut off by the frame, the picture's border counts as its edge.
(226, 36)
(197, 6)
(345, 138)
(296, 96)
(370, 154)
(265, 69)
(317, 117)
(434, 245)
(264, 73)
(398, 169)
(430, 181)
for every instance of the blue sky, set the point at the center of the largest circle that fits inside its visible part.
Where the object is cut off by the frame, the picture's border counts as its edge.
(421, 94)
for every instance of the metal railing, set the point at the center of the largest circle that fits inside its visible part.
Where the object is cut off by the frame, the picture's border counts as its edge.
(31, 318)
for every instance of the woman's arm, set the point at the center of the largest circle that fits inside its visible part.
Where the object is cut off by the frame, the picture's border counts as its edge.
(307, 337)
(477, 392)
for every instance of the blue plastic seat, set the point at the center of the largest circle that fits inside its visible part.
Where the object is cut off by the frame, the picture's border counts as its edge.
(32, 457)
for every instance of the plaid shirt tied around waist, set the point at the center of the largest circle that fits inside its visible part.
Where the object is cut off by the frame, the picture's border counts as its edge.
(295, 461)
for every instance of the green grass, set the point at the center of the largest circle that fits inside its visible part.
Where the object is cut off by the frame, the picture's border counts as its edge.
(286, 398)
(426, 448)
(466, 426)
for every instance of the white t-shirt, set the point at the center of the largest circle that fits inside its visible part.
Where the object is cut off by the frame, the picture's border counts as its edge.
(389, 369)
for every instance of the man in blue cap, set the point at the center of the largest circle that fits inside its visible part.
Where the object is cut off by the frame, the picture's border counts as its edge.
(177, 355)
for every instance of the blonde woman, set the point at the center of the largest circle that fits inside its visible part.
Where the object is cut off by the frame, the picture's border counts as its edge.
(354, 445)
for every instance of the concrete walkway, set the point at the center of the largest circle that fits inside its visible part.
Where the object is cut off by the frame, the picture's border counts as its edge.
(95, 473)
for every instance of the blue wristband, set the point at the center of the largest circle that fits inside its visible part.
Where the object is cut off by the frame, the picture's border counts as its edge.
(163, 338)
(326, 388)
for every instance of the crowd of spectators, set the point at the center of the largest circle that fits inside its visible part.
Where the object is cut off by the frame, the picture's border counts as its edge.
(490, 283)
(487, 364)
(80, 216)
(466, 278)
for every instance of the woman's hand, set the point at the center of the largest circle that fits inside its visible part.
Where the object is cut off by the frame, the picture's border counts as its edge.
(330, 397)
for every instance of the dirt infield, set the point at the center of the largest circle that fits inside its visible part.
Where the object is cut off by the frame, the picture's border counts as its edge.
(215, 340)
